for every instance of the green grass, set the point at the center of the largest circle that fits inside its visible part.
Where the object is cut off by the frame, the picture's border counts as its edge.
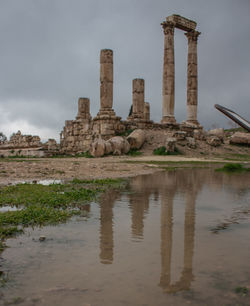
(162, 151)
(18, 159)
(134, 152)
(241, 291)
(229, 167)
(100, 183)
(42, 205)
(237, 156)
(170, 162)
(239, 129)
(84, 154)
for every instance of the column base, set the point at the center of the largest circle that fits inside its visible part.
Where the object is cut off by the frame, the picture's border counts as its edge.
(192, 123)
(168, 119)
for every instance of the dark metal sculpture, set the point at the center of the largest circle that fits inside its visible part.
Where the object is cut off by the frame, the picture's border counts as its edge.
(234, 116)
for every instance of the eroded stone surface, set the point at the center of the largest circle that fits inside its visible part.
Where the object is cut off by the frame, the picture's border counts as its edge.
(170, 144)
(136, 139)
(240, 138)
(214, 141)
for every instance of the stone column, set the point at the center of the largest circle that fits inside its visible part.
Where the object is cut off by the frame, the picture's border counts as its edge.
(147, 111)
(106, 79)
(168, 82)
(192, 78)
(138, 98)
(83, 108)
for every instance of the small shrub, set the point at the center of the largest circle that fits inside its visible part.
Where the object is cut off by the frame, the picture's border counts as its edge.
(241, 290)
(162, 151)
(134, 152)
(230, 167)
(84, 154)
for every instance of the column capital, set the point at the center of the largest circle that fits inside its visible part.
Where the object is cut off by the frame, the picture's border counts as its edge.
(168, 27)
(192, 35)
(106, 56)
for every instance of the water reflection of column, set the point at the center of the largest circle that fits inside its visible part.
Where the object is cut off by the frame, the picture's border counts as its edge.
(187, 273)
(166, 238)
(189, 231)
(139, 205)
(106, 227)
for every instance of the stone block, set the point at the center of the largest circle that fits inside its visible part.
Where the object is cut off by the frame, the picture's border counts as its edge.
(136, 139)
(180, 135)
(217, 132)
(191, 143)
(214, 141)
(240, 138)
(97, 148)
(170, 144)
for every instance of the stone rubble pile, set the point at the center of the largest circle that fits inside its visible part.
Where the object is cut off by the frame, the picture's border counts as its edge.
(27, 145)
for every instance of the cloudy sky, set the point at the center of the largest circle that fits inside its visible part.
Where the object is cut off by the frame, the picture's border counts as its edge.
(49, 56)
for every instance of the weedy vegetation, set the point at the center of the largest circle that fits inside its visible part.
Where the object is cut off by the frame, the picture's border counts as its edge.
(231, 167)
(163, 151)
(40, 205)
(134, 152)
(241, 291)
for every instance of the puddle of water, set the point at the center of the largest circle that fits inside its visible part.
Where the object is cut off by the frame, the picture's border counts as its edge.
(49, 182)
(150, 245)
(9, 208)
(42, 182)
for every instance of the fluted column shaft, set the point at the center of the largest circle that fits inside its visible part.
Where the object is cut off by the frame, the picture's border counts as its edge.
(192, 77)
(168, 81)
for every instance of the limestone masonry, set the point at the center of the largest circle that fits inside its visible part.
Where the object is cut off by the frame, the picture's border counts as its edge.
(78, 134)
(85, 133)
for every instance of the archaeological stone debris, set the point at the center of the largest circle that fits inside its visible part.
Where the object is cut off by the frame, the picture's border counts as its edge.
(103, 133)
(27, 145)
(79, 134)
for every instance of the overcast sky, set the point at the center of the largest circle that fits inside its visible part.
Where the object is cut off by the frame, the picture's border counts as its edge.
(49, 56)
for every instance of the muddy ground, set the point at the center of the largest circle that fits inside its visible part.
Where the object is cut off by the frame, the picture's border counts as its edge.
(30, 169)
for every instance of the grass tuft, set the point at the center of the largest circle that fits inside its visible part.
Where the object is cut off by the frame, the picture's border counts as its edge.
(162, 151)
(134, 152)
(230, 167)
(241, 290)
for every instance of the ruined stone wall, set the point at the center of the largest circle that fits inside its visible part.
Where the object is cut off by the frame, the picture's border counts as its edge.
(76, 136)
(27, 145)
(17, 140)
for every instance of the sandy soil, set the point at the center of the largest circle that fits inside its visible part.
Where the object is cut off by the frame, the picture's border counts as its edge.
(30, 169)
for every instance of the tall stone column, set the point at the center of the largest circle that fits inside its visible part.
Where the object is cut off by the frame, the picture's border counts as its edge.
(192, 78)
(138, 99)
(168, 82)
(106, 80)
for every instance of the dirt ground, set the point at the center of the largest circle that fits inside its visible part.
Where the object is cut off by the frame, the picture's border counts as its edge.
(30, 169)
(35, 169)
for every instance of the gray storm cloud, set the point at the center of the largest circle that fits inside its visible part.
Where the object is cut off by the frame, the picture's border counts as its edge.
(49, 57)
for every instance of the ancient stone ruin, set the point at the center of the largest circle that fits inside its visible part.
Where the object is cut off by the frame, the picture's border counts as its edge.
(168, 84)
(101, 133)
(78, 134)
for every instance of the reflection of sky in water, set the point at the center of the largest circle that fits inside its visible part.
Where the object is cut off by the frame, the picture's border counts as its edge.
(9, 208)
